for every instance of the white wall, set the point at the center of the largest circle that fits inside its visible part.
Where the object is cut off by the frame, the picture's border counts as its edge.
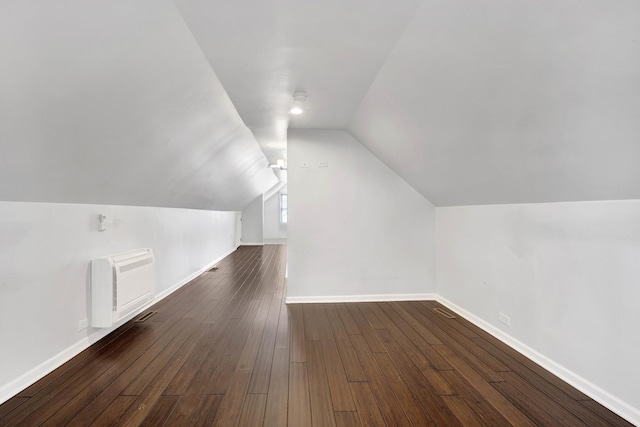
(253, 222)
(568, 275)
(45, 254)
(355, 227)
(273, 229)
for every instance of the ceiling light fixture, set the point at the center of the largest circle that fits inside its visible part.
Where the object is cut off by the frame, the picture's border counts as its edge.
(299, 98)
(280, 164)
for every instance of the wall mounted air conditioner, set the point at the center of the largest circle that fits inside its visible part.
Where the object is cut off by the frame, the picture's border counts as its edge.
(121, 284)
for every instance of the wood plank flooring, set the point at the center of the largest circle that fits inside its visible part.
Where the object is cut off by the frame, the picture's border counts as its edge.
(226, 350)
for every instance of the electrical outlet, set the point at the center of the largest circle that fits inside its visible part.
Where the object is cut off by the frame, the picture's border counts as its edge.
(83, 324)
(504, 319)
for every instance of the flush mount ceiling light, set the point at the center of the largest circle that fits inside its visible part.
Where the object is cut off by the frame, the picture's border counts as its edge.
(280, 164)
(299, 98)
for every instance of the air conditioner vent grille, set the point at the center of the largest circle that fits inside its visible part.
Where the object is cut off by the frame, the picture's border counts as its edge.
(145, 316)
(444, 313)
(134, 265)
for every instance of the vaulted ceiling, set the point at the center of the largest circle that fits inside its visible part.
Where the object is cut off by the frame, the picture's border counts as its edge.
(185, 103)
(470, 102)
(264, 51)
(114, 103)
(496, 101)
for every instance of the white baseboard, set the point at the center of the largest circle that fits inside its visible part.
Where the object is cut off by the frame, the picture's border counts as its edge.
(189, 278)
(601, 396)
(25, 380)
(252, 244)
(360, 298)
(275, 241)
(7, 391)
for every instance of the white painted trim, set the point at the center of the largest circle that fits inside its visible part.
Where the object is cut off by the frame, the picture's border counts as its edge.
(7, 391)
(252, 244)
(25, 380)
(189, 278)
(360, 298)
(276, 241)
(601, 396)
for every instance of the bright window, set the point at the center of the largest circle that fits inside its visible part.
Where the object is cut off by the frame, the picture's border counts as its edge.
(283, 208)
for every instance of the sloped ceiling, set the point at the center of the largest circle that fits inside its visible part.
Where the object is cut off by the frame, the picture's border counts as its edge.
(114, 103)
(470, 102)
(505, 102)
(263, 51)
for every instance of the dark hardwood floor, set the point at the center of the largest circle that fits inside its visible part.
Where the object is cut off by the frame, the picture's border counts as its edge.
(225, 350)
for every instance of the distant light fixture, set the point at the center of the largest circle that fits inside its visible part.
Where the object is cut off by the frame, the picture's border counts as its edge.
(299, 98)
(280, 164)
